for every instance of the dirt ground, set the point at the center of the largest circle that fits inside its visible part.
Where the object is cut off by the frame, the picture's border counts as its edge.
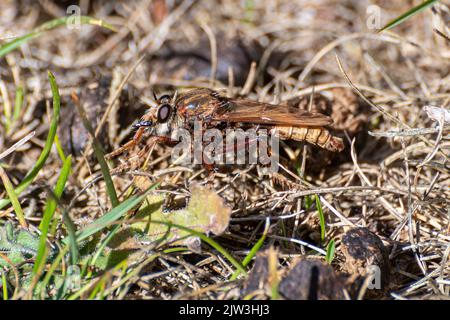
(380, 207)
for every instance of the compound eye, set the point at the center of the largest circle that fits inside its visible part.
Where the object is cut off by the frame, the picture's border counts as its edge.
(163, 113)
(164, 99)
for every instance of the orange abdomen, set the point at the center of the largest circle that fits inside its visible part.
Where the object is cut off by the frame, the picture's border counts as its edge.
(317, 136)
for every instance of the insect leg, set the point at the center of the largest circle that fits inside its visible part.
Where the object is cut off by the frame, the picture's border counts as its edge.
(136, 161)
(130, 144)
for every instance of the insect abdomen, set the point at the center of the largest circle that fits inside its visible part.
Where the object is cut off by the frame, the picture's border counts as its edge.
(317, 136)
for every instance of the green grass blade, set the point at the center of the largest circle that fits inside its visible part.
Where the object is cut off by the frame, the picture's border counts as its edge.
(175, 249)
(321, 217)
(408, 14)
(131, 274)
(331, 247)
(52, 269)
(307, 202)
(7, 109)
(4, 286)
(18, 103)
(209, 241)
(59, 189)
(48, 144)
(255, 248)
(112, 216)
(49, 211)
(216, 246)
(252, 252)
(71, 231)
(102, 246)
(14, 44)
(99, 154)
(13, 197)
(59, 149)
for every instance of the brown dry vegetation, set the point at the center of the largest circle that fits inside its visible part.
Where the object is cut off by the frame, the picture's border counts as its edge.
(390, 185)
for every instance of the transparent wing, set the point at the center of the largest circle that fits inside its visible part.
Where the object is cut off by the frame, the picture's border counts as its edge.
(242, 110)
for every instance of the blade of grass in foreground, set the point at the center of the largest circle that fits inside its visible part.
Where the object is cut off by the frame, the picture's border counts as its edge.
(5, 287)
(71, 233)
(52, 269)
(99, 154)
(49, 211)
(10, 46)
(18, 103)
(48, 144)
(13, 196)
(321, 218)
(331, 247)
(112, 216)
(59, 149)
(100, 249)
(7, 109)
(253, 251)
(208, 240)
(408, 14)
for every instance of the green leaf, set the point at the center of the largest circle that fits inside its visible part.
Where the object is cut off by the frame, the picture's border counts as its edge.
(408, 14)
(48, 144)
